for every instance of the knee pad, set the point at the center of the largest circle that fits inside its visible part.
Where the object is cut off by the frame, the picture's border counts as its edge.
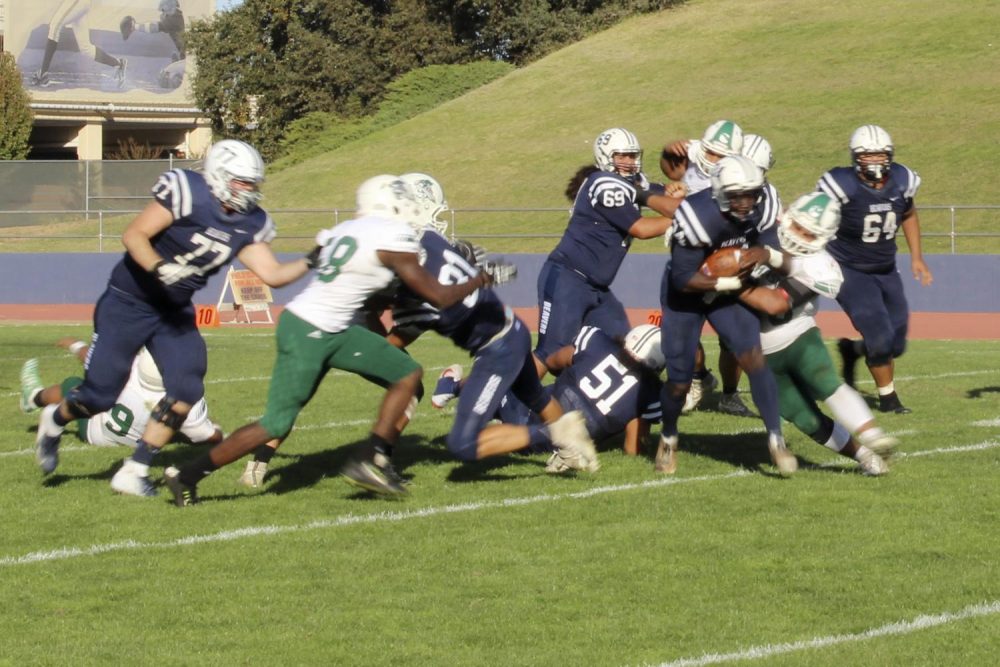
(77, 409)
(163, 412)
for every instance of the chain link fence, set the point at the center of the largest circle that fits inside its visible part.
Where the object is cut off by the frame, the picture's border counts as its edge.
(83, 206)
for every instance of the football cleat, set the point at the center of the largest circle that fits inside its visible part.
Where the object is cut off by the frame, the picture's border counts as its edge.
(371, 476)
(666, 455)
(575, 449)
(253, 475)
(781, 457)
(891, 403)
(184, 495)
(699, 387)
(447, 387)
(732, 404)
(47, 439)
(132, 479)
(849, 357)
(31, 384)
(884, 445)
(871, 464)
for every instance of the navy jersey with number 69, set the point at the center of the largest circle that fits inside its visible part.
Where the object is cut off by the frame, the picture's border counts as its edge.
(597, 238)
(471, 322)
(869, 218)
(202, 234)
(607, 385)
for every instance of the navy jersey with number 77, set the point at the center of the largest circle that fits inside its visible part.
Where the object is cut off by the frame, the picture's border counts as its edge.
(202, 234)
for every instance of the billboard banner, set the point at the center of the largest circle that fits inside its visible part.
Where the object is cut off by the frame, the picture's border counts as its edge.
(128, 51)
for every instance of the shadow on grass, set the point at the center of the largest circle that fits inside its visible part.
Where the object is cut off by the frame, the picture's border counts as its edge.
(979, 391)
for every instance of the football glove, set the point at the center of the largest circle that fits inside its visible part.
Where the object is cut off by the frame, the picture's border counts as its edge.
(472, 253)
(312, 259)
(171, 273)
(500, 273)
(127, 27)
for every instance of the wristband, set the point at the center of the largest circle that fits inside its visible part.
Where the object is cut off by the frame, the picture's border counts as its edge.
(729, 284)
(774, 257)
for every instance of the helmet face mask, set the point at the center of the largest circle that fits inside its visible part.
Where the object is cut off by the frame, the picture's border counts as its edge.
(618, 151)
(387, 196)
(871, 153)
(234, 171)
(722, 138)
(430, 200)
(642, 343)
(737, 186)
(809, 224)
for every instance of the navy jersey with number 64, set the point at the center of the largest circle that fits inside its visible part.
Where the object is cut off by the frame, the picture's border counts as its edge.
(869, 218)
(202, 234)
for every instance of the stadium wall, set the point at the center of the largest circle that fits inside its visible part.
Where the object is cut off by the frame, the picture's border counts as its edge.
(963, 302)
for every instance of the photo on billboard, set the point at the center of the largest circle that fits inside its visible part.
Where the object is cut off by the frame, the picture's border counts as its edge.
(104, 50)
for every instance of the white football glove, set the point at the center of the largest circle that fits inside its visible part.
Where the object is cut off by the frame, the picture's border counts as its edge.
(500, 273)
(171, 273)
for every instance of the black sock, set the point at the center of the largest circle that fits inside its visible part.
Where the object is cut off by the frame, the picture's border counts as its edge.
(197, 470)
(58, 418)
(375, 445)
(263, 453)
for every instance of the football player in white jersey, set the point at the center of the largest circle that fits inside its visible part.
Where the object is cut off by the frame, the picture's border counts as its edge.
(794, 348)
(358, 263)
(124, 423)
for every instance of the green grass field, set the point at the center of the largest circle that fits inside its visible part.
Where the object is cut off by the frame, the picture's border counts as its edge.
(497, 563)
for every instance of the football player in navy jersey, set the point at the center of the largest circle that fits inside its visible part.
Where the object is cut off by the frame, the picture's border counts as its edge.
(732, 213)
(573, 284)
(616, 386)
(196, 224)
(498, 340)
(876, 198)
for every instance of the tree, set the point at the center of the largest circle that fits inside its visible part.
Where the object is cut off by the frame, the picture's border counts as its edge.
(15, 111)
(267, 63)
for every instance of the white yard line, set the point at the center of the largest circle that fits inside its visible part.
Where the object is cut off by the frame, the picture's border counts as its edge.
(350, 520)
(888, 630)
(379, 517)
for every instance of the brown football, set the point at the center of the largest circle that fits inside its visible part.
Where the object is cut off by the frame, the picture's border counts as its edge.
(722, 263)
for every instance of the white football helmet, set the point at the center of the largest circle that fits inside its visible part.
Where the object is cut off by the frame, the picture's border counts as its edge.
(643, 344)
(758, 149)
(430, 201)
(149, 374)
(387, 196)
(231, 160)
(809, 223)
(733, 176)
(866, 140)
(723, 137)
(616, 140)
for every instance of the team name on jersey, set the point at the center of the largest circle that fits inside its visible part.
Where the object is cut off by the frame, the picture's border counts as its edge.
(218, 234)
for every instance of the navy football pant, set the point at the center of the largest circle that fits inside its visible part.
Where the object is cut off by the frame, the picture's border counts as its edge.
(502, 365)
(876, 306)
(567, 303)
(122, 325)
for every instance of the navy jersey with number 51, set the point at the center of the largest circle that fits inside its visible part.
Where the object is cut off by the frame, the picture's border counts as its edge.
(202, 234)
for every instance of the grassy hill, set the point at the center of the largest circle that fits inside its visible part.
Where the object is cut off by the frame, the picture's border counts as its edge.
(801, 73)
